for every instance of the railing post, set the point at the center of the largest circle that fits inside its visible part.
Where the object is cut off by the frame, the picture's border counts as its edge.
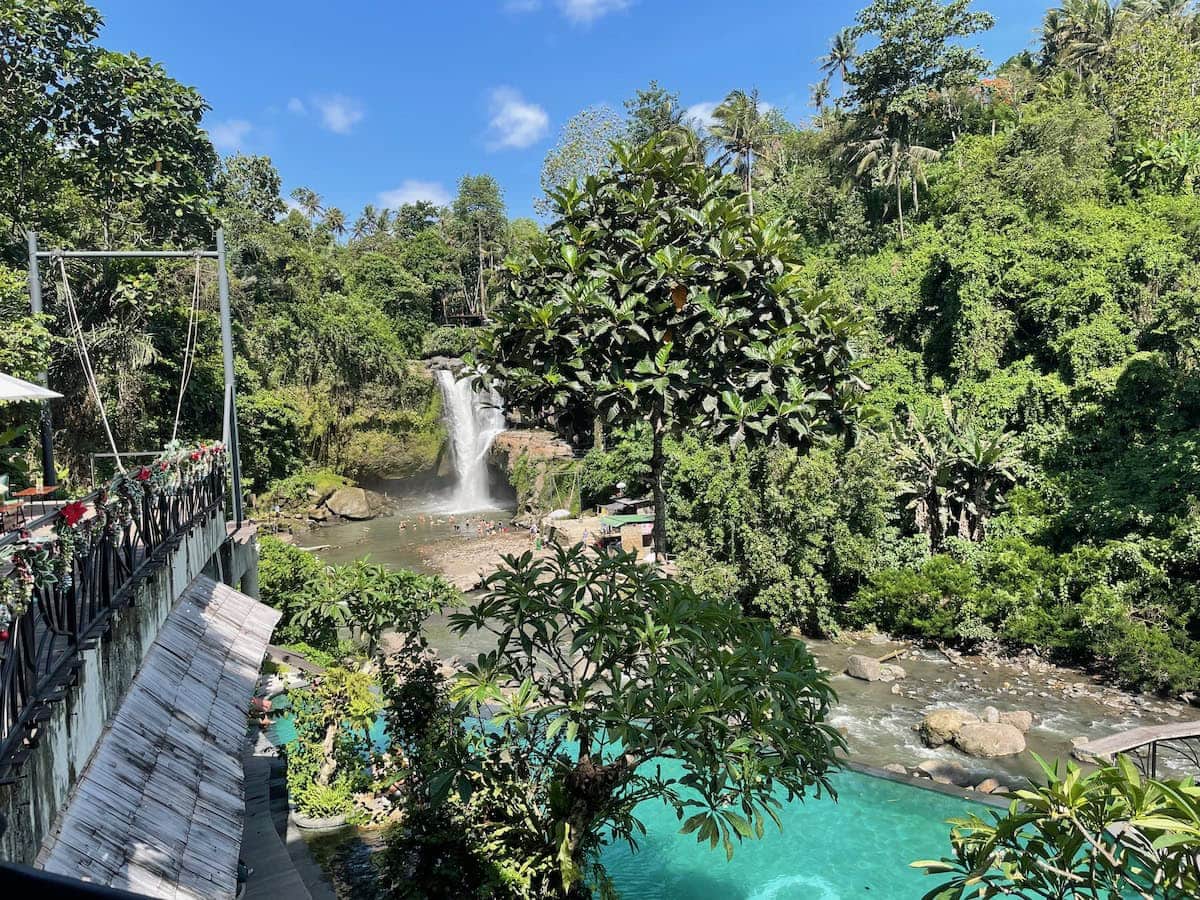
(230, 381)
(49, 473)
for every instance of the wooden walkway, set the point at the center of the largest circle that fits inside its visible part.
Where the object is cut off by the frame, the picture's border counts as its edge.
(159, 809)
(274, 877)
(1177, 744)
(1124, 741)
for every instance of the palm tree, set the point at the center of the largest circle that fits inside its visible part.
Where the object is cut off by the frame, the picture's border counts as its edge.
(843, 50)
(984, 464)
(335, 221)
(1080, 33)
(364, 225)
(309, 202)
(894, 163)
(742, 130)
(820, 94)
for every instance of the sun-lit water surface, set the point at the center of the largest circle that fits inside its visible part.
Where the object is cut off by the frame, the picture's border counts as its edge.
(857, 847)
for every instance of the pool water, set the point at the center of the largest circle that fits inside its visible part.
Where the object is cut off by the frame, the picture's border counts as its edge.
(859, 847)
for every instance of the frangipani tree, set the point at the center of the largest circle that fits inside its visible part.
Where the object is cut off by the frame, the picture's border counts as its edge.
(658, 298)
(611, 685)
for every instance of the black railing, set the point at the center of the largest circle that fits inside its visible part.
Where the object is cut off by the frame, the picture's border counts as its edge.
(43, 651)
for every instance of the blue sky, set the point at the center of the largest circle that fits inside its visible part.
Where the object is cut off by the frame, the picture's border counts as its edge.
(385, 102)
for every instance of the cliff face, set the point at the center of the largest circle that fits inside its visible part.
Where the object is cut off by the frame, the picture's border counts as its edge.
(405, 442)
(541, 468)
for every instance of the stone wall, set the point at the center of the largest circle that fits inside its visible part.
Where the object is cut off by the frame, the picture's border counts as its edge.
(70, 734)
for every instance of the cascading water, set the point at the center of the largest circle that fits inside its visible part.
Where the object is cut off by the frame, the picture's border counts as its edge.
(473, 419)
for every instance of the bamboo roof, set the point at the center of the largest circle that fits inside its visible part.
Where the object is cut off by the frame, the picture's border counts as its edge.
(159, 809)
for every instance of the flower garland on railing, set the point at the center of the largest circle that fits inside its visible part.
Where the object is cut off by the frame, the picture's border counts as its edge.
(43, 561)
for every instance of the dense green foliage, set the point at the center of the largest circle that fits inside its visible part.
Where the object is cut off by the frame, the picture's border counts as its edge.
(658, 297)
(1033, 479)
(317, 600)
(106, 150)
(626, 714)
(1106, 833)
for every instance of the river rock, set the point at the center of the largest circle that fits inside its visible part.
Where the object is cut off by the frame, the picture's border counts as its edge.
(940, 726)
(355, 503)
(895, 769)
(989, 739)
(988, 786)
(866, 668)
(991, 715)
(891, 672)
(1020, 719)
(946, 771)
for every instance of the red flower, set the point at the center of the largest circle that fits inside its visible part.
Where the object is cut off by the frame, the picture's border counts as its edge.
(162, 466)
(73, 512)
(195, 455)
(143, 474)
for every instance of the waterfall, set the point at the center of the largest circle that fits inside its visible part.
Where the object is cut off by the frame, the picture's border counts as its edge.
(473, 419)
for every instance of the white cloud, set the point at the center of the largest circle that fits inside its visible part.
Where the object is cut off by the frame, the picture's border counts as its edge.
(296, 106)
(584, 12)
(229, 135)
(412, 190)
(292, 204)
(701, 113)
(338, 112)
(515, 122)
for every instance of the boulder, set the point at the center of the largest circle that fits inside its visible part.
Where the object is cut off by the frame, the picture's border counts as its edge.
(891, 672)
(1020, 719)
(867, 668)
(355, 503)
(989, 739)
(940, 726)
(946, 771)
(991, 714)
(895, 769)
(988, 786)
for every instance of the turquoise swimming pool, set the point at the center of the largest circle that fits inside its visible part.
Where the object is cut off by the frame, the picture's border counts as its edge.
(858, 847)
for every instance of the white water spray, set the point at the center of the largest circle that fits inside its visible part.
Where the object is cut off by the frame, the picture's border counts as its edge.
(473, 419)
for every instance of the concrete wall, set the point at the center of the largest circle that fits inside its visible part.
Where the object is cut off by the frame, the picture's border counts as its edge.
(75, 725)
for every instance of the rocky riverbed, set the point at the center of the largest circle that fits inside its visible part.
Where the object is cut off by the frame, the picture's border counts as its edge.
(880, 718)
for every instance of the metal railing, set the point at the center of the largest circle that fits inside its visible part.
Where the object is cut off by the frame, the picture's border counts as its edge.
(42, 654)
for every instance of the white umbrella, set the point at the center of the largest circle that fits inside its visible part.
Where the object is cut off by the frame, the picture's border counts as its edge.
(14, 389)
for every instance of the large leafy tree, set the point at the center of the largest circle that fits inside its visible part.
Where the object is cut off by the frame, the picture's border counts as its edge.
(652, 110)
(583, 148)
(612, 685)
(916, 61)
(479, 227)
(657, 298)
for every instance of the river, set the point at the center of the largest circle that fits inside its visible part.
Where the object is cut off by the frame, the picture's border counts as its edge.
(877, 718)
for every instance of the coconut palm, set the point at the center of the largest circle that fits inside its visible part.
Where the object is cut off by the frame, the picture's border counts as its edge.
(364, 225)
(1080, 33)
(894, 163)
(842, 51)
(335, 221)
(741, 129)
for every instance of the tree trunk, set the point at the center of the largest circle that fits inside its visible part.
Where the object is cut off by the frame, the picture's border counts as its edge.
(328, 763)
(589, 788)
(750, 178)
(657, 464)
(900, 204)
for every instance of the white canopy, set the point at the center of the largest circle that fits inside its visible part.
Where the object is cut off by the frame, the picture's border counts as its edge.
(13, 389)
